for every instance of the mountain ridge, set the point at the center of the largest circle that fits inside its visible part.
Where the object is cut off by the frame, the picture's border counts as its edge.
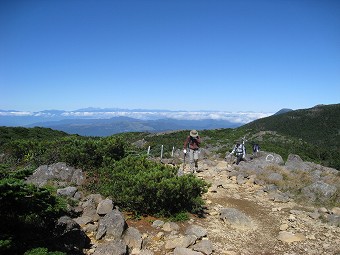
(116, 125)
(318, 125)
(152, 120)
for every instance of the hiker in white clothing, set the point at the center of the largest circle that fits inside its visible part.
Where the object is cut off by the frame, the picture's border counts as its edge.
(240, 150)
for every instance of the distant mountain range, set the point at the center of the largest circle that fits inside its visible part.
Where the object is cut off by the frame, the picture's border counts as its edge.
(108, 121)
(106, 127)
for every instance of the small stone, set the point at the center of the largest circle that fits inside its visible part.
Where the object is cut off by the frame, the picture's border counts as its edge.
(284, 227)
(292, 217)
(323, 210)
(336, 211)
(289, 237)
(311, 237)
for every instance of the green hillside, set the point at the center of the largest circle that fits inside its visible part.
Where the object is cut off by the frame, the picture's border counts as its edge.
(313, 133)
(14, 133)
(319, 125)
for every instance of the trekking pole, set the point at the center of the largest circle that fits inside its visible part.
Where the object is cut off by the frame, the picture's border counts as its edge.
(172, 155)
(161, 152)
(184, 161)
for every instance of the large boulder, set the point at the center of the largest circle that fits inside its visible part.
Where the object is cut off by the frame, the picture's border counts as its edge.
(69, 236)
(319, 191)
(115, 247)
(236, 218)
(133, 238)
(112, 225)
(294, 162)
(58, 171)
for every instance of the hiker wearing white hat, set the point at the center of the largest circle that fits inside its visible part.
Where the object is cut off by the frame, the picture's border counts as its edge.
(192, 145)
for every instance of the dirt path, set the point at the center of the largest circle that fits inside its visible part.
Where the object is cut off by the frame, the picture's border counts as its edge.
(267, 218)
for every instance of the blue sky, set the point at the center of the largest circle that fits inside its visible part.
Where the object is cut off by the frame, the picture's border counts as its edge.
(244, 55)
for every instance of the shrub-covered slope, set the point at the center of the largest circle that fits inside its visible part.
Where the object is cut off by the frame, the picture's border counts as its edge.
(319, 125)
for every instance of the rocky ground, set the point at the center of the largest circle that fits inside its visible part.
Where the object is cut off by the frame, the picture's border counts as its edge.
(271, 227)
(245, 213)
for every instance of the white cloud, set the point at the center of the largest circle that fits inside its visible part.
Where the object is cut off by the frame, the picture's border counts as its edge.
(43, 114)
(239, 117)
(16, 113)
(235, 117)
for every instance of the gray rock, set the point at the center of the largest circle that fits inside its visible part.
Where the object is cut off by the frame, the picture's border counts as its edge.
(186, 251)
(157, 223)
(90, 209)
(240, 179)
(146, 252)
(184, 242)
(294, 162)
(270, 188)
(273, 177)
(204, 246)
(265, 159)
(319, 190)
(196, 231)
(89, 205)
(112, 225)
(91, 227)
(235, 218)
(94, 198)
(58, 171)
(69, 236)
(79, 195)
(333, 220)
(314, 215)
(316, 175)
(115, 247)
(133, 238)
(67, 192)
(78, 177)
(170, 226)
(278, 197)
(105, 206)
(83, 220)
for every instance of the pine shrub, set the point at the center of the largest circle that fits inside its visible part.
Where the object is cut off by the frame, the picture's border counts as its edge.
(146, 187)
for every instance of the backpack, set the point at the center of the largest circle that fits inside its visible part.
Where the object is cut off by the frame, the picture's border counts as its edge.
(239, 149)
(256, 147)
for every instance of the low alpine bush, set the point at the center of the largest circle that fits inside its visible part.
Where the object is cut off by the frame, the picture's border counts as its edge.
(146, 187)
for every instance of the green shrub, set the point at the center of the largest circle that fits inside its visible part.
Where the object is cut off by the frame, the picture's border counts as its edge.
(181, 216)
(43, 251)
(5, 244)
(146, 187)
(27, 214)
(86, 153)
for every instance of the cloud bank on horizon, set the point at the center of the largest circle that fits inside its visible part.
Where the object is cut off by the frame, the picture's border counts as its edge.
(235, 117)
